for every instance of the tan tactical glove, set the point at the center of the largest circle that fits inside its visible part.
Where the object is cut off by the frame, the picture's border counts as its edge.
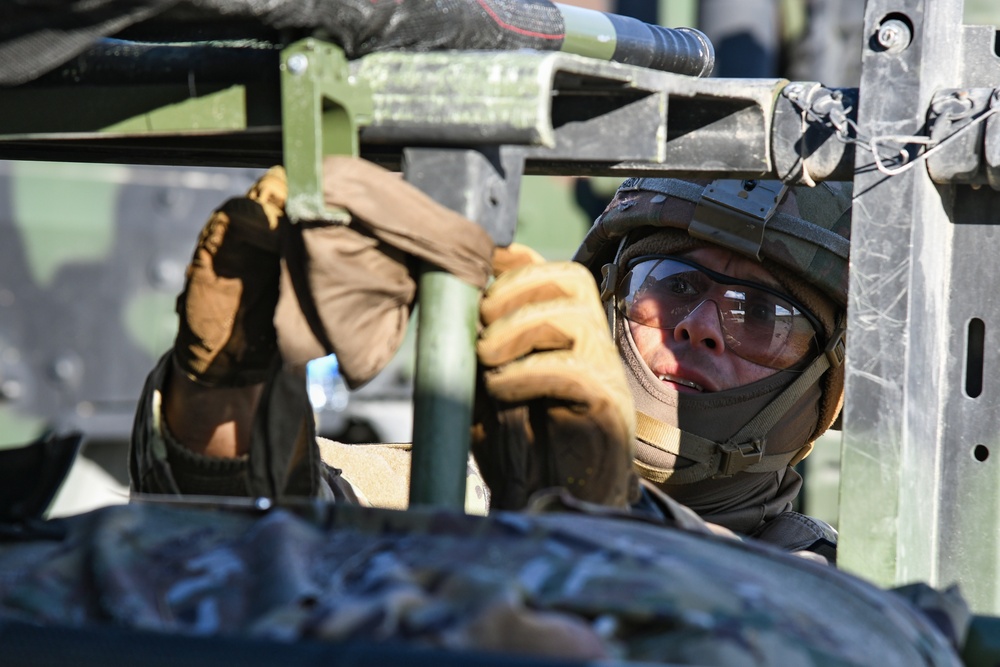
(226, 336)
(553, 408)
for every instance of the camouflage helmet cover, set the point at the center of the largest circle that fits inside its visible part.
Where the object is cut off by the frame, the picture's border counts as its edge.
(814, 245)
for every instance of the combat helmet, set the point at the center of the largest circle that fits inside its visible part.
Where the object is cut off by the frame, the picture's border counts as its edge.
(803, 241)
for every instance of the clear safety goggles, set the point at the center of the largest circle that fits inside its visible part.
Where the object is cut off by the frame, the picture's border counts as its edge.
(758, 323)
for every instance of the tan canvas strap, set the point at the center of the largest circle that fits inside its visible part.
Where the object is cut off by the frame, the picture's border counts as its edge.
(712, 459)
(670, 439)
(404, 217)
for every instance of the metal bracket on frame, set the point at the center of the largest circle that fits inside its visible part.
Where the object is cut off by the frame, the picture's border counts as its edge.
(322, 107)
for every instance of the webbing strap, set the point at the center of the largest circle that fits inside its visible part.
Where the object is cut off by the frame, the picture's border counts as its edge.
(694, 473)
(712, 459)
(667, 438)
(759, 426)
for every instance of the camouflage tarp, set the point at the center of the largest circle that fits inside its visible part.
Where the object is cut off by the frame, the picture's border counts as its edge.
(549, 584)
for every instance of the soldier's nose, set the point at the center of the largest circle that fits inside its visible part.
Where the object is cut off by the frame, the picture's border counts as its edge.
(702, 328)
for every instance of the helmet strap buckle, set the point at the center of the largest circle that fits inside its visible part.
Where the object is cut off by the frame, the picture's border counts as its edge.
(836, 349)
(736, 457)
(609, 281)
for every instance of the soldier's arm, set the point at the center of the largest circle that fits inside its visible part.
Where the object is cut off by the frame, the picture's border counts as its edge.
(192, 428)
(222, 379)
(210, 421)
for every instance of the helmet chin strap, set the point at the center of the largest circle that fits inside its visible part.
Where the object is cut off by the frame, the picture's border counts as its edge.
(743, 452)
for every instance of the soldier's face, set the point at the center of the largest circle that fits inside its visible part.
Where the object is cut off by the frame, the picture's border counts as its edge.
(693, 356)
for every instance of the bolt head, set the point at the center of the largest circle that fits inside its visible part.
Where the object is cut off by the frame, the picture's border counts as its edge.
(894, 35)
(888, 36)
(297, 63)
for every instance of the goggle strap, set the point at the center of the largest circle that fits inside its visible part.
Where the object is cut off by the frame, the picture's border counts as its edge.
(609, 281)
(745, 451)
(609, 288)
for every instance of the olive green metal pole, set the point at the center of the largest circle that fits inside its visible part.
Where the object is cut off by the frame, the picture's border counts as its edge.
(483, 185)
(444, 387)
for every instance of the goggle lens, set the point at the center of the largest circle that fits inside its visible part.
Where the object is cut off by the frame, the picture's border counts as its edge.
(758, 323)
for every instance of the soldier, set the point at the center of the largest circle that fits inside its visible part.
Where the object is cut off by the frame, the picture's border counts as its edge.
(731, 341)
(728, 305)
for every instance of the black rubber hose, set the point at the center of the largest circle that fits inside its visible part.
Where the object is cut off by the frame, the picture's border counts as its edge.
(38, 36)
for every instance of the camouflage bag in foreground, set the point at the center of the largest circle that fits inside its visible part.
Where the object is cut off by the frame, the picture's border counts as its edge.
(558, 584)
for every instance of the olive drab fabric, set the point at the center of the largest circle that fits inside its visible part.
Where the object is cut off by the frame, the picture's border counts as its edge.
(554, 584)
(552, 408)
(345, 288)
(356, 283)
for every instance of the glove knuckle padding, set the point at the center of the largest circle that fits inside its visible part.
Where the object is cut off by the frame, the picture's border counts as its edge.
(534, 327)
(542, 307)
(514, 256)
(534, 284)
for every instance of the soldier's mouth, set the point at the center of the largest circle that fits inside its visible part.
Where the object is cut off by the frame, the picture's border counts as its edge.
(666, 377)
